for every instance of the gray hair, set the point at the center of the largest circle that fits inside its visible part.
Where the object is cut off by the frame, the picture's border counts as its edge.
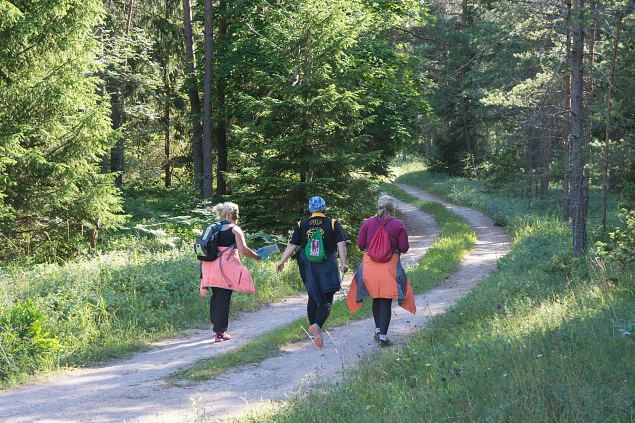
(386, 204)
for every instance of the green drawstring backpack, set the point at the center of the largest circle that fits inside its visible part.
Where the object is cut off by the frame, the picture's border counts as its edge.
(314, 249)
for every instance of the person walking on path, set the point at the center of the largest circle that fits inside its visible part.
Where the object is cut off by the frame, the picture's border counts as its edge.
(319, 238)
(226, 274)
(380, 275)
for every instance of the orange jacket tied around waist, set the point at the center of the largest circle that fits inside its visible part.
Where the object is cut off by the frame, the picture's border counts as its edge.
(381, 280)
(226, 272)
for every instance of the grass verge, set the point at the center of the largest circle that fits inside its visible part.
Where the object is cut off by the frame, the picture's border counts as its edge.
(455, 239)
(545, 338)
(108, 306)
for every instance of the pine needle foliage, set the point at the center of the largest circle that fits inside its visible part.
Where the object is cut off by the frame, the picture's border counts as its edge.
(53, 127)
(320, 109)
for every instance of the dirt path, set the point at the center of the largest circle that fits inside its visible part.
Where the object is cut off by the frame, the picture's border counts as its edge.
(134, 390)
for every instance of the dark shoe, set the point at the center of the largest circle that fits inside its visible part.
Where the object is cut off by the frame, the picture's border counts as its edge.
(376, 336)
(222, 336)
(317, 336)
(385, 343)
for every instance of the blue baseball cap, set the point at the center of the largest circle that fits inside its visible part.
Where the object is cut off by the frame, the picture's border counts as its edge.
(316, 204)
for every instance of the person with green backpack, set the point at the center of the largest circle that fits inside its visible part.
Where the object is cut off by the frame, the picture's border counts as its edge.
(318, 239)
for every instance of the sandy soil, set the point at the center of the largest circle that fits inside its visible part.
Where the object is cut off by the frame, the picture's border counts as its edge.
(134, 389)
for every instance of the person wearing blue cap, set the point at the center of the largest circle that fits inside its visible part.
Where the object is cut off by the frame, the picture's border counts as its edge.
(318, 239)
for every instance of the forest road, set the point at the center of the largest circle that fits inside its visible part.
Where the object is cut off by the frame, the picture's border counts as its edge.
(135, 390)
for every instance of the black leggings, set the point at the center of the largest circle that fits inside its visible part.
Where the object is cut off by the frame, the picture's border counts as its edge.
(319, 314)
(219, 308)
(381, 313)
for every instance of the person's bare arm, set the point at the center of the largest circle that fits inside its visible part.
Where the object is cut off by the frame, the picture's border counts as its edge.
(291, 248)
(341, 248)
(241, 245)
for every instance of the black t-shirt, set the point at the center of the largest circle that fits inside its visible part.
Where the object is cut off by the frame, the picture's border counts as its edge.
(226, 237)
(331, 233)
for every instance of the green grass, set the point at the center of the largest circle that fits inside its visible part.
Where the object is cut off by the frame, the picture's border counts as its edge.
(545, 338)
(455, 239)
(94, 309)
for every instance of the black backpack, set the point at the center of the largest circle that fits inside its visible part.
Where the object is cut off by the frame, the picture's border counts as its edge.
(206, 245)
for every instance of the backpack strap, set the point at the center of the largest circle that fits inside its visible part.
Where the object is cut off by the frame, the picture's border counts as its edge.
(385, 223)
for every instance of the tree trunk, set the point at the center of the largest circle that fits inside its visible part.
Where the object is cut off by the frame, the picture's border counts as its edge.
(545, 162)
(466, 133)
(104, 166)
(607, 125)
(168, 168)
(167, 91)
(166, 128)
(221, 128)
(195, 101)
(117, 155)
(579, 178)
(566, 145)
(465, 19)
(529, 161)
(208, 178)
(589, 81)
(116, 152)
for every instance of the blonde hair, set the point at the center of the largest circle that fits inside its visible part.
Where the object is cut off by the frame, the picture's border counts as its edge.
(385, 204)
(223, 209)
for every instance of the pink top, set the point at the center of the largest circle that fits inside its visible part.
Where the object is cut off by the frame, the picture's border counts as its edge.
(396, 231)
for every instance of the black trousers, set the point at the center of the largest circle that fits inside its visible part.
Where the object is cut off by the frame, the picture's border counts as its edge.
(382, 313)
(219, 308)
(319, 314)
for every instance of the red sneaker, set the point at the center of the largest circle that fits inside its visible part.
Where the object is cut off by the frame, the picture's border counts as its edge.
(317, 336)
(222, 336)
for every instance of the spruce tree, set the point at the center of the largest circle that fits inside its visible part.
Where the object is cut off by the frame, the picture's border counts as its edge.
(53, 127)
(306, 116)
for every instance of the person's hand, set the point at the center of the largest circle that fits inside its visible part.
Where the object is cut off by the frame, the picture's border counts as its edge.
(279, 266)
(344, 268)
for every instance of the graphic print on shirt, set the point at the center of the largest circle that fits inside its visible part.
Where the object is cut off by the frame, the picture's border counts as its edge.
(314, 249)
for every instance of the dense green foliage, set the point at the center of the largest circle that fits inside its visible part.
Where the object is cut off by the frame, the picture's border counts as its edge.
(544, 338)
(308, 98)
(500, 103)
(330, 100)
(53, 127)
(620, 247)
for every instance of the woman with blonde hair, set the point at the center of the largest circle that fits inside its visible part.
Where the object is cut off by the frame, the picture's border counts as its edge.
(226, 274)
(380, 275)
